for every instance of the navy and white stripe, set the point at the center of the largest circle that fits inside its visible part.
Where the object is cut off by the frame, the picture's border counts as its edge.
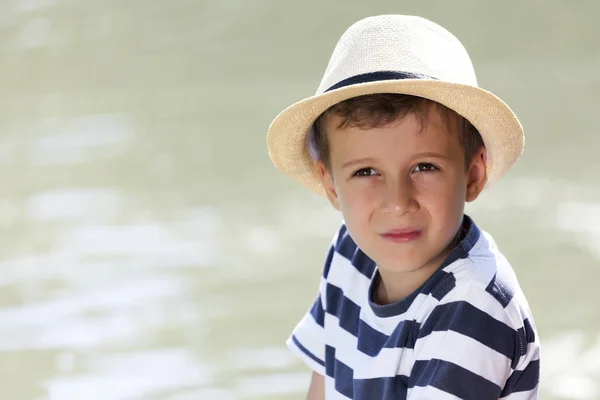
(466, 333)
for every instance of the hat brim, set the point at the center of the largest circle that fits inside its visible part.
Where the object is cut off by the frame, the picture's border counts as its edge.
(499, 127)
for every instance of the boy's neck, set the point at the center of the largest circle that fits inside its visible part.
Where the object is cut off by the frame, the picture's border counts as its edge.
(395, 286)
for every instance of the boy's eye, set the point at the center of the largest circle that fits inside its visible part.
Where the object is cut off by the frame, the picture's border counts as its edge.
(425, 167)
(365, 172)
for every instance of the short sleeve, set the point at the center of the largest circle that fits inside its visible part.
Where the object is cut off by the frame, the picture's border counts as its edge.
(523, 383)
(308, 337)
(466, 352)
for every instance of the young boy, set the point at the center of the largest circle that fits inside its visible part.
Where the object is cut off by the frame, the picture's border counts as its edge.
(415, 301)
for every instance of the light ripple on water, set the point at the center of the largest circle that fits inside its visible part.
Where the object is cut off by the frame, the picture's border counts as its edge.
(570, 369)
(80, 140)
(190, 241)
(272, 384)
(261, 358)
(76, 204)
(133, 375)
(201, 394)
(22, 6)
(62, 323)
(583, 219)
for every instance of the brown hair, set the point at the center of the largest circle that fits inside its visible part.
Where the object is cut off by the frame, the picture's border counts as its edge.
(376, 110)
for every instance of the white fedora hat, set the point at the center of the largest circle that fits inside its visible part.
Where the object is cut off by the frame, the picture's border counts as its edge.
(397, 54)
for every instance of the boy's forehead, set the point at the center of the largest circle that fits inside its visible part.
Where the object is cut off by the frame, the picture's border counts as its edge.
(426, 117)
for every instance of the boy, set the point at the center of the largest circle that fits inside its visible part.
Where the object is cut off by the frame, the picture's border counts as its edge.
(415, 301)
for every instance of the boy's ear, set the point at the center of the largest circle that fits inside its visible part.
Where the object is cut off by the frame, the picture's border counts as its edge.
(327, 180)
(477, 175)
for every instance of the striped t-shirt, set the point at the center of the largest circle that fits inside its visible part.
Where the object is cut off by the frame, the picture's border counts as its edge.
(466, 333)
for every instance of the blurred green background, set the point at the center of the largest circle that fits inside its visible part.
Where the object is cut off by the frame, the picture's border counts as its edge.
(150, 251)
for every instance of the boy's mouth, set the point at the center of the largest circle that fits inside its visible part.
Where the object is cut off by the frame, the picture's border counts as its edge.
(402, 235)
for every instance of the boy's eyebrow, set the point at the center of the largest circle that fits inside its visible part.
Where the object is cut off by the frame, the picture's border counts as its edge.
(358, 161)
(432, 154)
(367, 160)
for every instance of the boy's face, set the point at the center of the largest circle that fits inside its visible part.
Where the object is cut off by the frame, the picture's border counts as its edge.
(401, 188)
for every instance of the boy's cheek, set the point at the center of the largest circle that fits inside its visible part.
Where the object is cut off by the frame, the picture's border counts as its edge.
(355, 209)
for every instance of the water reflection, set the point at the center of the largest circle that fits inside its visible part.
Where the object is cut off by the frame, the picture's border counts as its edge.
(75, 205)
(78, 141)
(132, 375)
(572, 367)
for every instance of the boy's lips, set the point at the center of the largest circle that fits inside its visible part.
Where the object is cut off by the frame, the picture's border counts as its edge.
(402, 235)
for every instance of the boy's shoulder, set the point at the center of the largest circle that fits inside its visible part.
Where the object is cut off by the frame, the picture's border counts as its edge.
(486, 269)
(485, 283)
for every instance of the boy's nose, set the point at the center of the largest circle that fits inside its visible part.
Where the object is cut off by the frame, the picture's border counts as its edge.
(399, 198)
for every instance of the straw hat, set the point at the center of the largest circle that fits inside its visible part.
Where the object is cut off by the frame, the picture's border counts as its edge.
(396, 54)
